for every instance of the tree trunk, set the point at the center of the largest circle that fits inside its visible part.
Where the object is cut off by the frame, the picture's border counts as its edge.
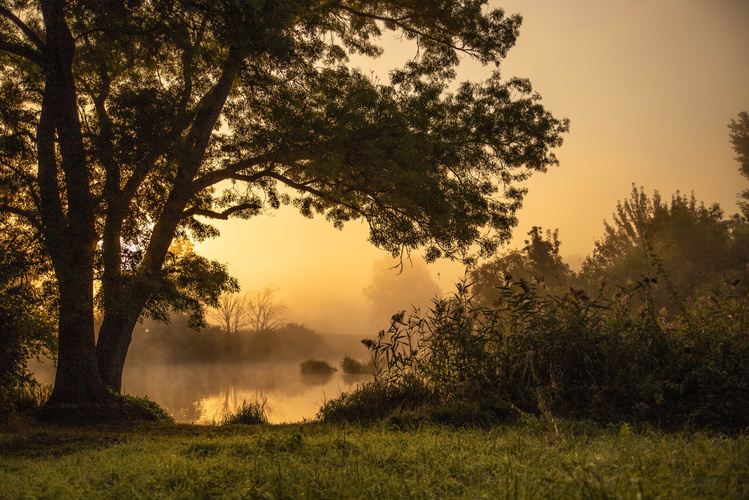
(124, 302)
(77, 382)
(69, 223)
(115, 335)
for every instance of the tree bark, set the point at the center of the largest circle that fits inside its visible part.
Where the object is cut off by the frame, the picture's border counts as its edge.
(69, 223)
(77, 381)
(115, 335)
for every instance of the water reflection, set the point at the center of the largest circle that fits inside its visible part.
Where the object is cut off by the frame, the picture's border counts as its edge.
(205, 393)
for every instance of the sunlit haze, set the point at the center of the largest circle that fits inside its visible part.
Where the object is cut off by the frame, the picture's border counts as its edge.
(649, 86)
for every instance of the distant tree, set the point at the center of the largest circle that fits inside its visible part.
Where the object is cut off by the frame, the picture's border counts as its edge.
(543, 255)
(127, 124)
(739, 137)
(232, 313)
(691, 241)
(264, 312)
(538, 261)
(393, 288)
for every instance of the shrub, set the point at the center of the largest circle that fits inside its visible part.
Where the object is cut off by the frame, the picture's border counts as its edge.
(119, 408)
(377, 400)
(316, 367)
(573, 356)
(137, 408)
(25, 331)
(353, 367)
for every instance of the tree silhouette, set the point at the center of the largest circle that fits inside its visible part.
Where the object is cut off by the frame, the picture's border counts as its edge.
(537, 261)
(264, 312)
(125, 125)
(691, 241)
(739, 137)
(393, 288)
(232, 313)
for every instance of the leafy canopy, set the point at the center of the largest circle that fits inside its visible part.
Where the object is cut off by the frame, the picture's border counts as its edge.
(423, 166)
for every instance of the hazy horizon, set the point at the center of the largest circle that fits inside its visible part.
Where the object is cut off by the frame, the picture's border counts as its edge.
(649, 87)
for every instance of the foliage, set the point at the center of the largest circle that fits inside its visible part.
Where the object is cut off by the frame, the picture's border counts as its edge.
(27, 398)
(352, 366)
(571, 356)
(538, 261)
(139, 408)
(316, 367)
(696, 248)
(739, 138)
(24, 333)
(316, 461)
(248, 414)
(26, 327)
(376, 400)
(189, 283)
(120, 409)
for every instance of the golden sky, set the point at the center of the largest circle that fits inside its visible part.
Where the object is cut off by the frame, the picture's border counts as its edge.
(649, 86)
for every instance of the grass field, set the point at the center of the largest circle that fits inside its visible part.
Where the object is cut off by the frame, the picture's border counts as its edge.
(535, 459)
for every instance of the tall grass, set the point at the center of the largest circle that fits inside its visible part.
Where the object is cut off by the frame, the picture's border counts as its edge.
(576, 355)
(248, 414)
(522, 461)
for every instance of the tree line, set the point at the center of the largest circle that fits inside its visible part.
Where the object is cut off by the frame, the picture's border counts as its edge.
(694, 249)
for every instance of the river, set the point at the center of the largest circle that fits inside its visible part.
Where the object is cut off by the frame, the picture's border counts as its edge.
(203, 393)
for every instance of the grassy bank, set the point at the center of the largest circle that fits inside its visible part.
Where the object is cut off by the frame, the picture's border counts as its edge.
(528, 460)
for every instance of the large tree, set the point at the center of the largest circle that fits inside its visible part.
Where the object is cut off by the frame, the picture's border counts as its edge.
(129, 123)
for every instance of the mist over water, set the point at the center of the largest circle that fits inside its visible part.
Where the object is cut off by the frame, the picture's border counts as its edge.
(204, 393)
(200, 377)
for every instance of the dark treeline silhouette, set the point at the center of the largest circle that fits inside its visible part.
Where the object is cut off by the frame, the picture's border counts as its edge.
(176, 342)
(682, 249)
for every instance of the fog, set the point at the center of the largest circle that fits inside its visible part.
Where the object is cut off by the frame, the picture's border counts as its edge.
(200, 376)
(649, 87)
(204, 393)
(649, 102)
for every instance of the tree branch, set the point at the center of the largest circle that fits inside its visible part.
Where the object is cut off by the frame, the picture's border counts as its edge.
(399, 22)
(216, 176)
(202, 212)
(30, 217)
(207, 113)
(5, 12)
(300, 186)
(22, 51)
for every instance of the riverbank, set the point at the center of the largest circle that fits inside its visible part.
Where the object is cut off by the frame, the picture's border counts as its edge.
(532, 459)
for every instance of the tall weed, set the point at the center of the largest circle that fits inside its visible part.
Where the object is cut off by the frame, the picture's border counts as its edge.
(612, 356)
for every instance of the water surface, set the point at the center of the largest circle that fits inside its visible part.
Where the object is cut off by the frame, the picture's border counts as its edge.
(204, 393)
